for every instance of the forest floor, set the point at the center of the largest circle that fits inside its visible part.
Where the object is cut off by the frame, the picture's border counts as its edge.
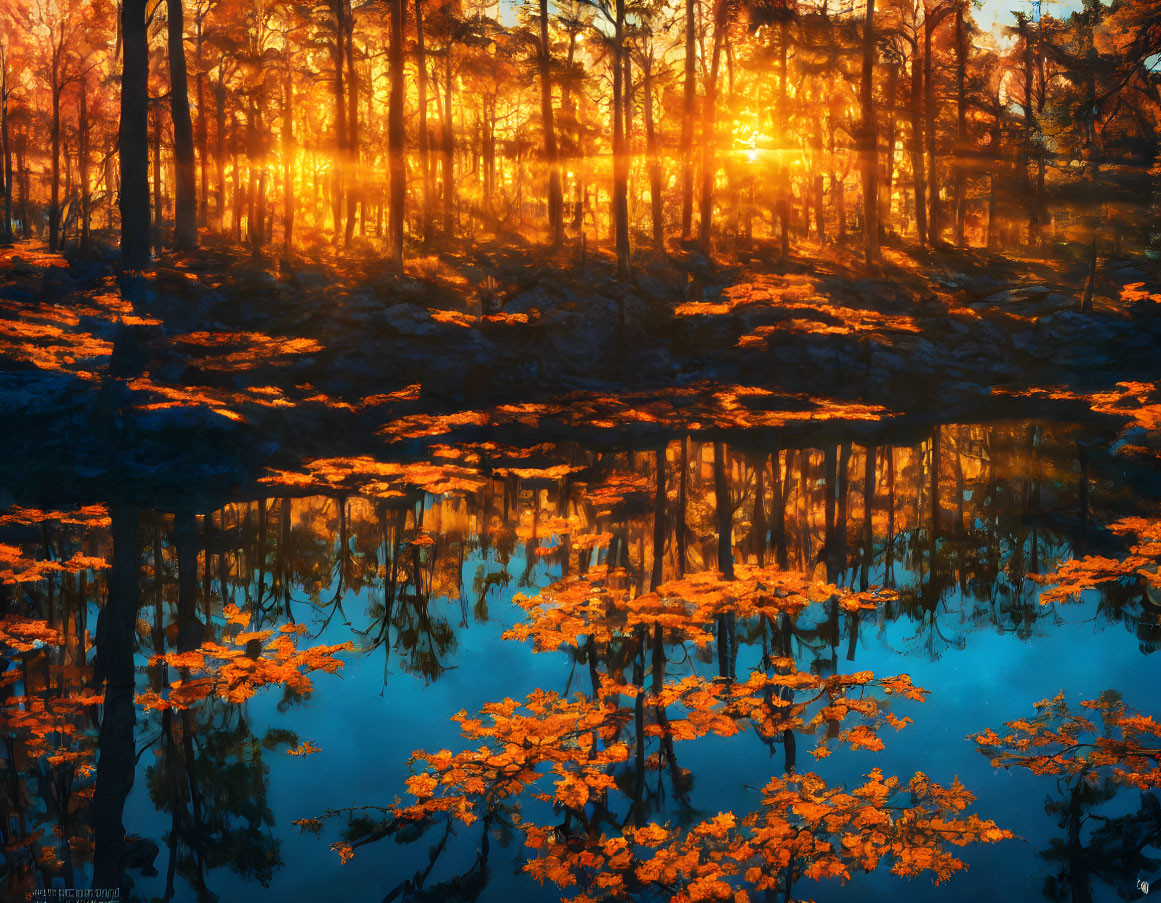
(219, 362)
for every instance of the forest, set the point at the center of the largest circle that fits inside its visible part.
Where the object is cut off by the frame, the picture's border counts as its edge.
(460, 451)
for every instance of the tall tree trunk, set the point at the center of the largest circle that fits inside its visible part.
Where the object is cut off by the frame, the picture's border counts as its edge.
(449, 147)
(355, 176)
(203, 147)
(158, 205)
(886, 190)
(424, 154)
(555, 193)
(220, 149)
(917, 166)
(934, 227)
(54, 183)
(870, 141)
(620, 152)
(185, 213)
(289, 149)
(134, 137)
(783, 119)
(687, 114)
(653, 151)
(6, 148)
(708, 135)
(337, 178)
(83, 164)
(397, 188)
(959, 185)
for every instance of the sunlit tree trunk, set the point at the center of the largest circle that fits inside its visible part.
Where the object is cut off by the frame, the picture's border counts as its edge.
(185, 214)
(887, 189)
(555, 194)
(653, 150)
(959, 185)
(708, 136)
(783, 122)
(202, 141)
(424, 153)
(355, 176)
(289, 150)
(934, 226)
(337, 57)
(449, 146)
(56, 88)
(690, 102)
(620, 152)
(133, 138)
(83, 164)
(5, 147)
(869, 141)
(917, 165)
(397, 188)
(220, 148)
(158, 204)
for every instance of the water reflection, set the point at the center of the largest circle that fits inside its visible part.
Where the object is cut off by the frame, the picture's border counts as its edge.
(698, 589)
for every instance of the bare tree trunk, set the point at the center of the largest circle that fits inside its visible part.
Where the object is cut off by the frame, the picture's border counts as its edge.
(708, 126)
(83, 164)
(289, 148)
(449, 147)
(555, 194)
(54, 184)
(398, 188)
(959, 185)
(337, 179)
(355, 176)
(870, 142)
(133, 138)
(620, 152)
(424, 154)
(220, 149)
(653, 151)
(185, 213)
(917, 167)
(690, 102)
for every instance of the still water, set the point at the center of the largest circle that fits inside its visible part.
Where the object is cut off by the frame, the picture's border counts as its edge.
(265, 770)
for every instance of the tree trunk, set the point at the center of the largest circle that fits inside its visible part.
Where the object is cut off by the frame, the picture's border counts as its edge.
(54, 183)
(708, 137)
(959, 185)
(83, 164)
(654, 153)
(934, 227)
(6, 148)
(185, 213)
(396, 167)
(134, 138)
(917, 167)
(449, 146)
(870, 142)
(337, 55)
(424, 154)
(555, 194)
(203, 148)
(620, 152)
(289, 148)
(690, 103)
(220, 149)
(355, 177)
